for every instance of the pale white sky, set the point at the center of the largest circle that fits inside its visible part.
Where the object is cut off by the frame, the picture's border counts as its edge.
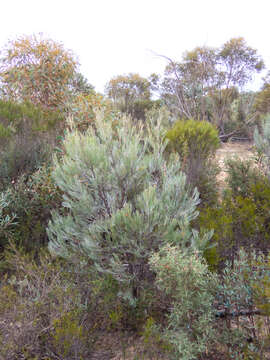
(113, 37)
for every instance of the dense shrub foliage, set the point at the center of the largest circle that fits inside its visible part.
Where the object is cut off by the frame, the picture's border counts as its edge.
(124, 200)
(191, 137)
(196, 143)
(28, 135)
(239, 221)
(31, 200)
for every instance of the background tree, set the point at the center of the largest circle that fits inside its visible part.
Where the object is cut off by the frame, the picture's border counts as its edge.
(80, 85)
(186, 83)
(238, 63)
(262, 100)
(131, 94)
(207, 81)
(38, 70)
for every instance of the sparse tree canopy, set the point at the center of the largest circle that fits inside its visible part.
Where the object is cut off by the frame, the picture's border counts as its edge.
(204, 84)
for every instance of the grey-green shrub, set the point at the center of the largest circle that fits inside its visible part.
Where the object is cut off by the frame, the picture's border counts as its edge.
(123, 200)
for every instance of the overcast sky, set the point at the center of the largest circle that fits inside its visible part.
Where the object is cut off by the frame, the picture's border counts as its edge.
(113, 37)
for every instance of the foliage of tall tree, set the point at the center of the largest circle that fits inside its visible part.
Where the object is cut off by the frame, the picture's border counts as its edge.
(36, 69)
(205, 83)
(131, 94)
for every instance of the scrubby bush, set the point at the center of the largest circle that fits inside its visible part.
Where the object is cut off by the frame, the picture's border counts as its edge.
(42, 310)
(241, 217)
(186, 280)
(20, 115)
(32, 200)
(191, 138)
(123, 201)
(241, 298)
(196, 142)
(241, 176)
(27, 138)
(23, 156)
(6, 220)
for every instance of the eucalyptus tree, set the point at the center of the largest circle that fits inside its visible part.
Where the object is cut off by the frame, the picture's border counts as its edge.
(37, 69)
(207, 81)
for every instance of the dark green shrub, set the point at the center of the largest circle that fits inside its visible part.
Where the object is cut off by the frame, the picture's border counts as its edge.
(23, 156)
(18, 116)
(196, 142)
(240, 221)
(31, 200)
(27, 137)
(242, 175)
(207, 183)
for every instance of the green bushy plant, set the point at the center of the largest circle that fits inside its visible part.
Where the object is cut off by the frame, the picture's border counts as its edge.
(193, 138)
(23, 156)
(123, 200)
(18, 115)
(6, 220)
(32, 200)
(191, 287)
(196, 142)
(242, 175)
(241, 217)
(27, 138)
